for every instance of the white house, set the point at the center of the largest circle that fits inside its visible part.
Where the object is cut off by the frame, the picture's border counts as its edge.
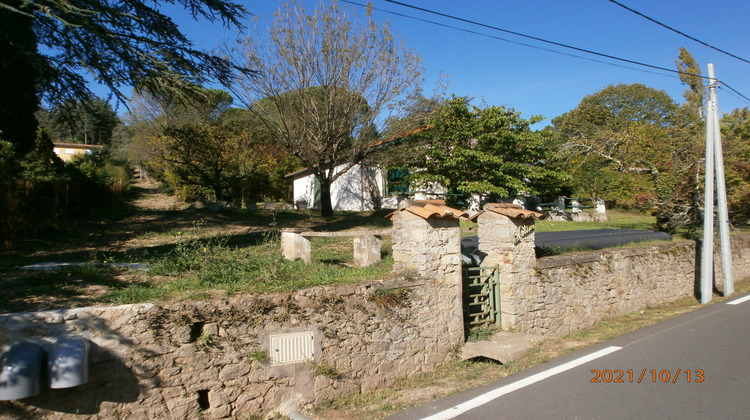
(363, 187)
(360, 188)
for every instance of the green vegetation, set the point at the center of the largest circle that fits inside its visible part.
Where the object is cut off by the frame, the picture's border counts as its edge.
(324, 368)
(324, 119)
(190, 259)
(635, 146)
(490, 150)
(260, 356)
(196, 265)
(390, 297)
(193, 255)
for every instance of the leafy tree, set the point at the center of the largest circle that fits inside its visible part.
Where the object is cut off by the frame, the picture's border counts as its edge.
(42, 164)
(691, 76)
(205, 149)
(492, 150)
(324, 86)
(643, 133)
(735, 129)
(80, 121)
(120, 44)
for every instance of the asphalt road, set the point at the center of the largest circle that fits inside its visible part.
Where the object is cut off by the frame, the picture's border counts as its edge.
(560, 241)
(596, 238)
(696, 365)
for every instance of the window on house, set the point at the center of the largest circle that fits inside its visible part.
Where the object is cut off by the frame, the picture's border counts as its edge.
(397, 183)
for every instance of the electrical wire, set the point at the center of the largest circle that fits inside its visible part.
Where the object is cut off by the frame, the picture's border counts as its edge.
(677, 32)
(506, 40)
(734, 90)
(559, 44)
(546, 41)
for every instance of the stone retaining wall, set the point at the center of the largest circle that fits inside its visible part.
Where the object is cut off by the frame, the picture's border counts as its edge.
(210, 359)
(574, 291)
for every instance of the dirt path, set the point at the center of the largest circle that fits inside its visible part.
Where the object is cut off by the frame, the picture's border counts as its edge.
(148, 198)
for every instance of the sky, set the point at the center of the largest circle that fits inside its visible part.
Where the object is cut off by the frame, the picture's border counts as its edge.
(532, 79)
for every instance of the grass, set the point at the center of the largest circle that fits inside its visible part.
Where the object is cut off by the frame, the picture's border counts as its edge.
(192, 256)
(615, 220)
(197, 265)
(463, 375)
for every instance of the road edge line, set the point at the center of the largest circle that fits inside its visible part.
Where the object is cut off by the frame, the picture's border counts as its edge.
(740, 300)
(506, 389)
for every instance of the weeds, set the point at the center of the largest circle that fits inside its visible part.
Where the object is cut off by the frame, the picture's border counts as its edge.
(390, 297)
(259, 356)
(323, 368)
(205, 340)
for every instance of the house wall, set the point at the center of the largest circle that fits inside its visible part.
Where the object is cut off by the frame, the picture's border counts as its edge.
(361, 188)
(304, 190)
(67, 152)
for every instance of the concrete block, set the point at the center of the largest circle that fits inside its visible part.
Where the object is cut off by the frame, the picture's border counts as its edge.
(366, 250)
(294, 245)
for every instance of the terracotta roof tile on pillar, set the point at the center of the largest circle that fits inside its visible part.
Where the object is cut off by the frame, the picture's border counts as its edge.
(513, 211)
(428, 209)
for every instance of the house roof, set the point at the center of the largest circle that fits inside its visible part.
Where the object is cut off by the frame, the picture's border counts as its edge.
(427, 209)
(78, 146)
(514, 211)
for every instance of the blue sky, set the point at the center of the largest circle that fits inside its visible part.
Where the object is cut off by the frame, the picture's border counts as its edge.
(536, 81)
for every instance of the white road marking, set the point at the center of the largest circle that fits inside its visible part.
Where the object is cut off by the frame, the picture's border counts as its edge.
(499, 392)
(740, 300)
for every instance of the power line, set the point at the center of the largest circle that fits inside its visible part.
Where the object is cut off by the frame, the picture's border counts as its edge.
(676, 31)
(505, 39)
(559, 44)
(734, 90)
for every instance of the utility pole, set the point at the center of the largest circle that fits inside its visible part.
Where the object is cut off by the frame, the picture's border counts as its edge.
(714, 155)
(721, 196)
(707, 255)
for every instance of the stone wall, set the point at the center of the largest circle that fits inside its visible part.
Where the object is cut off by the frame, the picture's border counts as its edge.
(570, 292)
(211, 359)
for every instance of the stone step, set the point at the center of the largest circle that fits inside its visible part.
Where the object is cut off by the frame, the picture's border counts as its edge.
(502, 346)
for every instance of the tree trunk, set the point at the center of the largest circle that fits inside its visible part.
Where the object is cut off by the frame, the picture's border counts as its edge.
(326, 209)
(19, 73)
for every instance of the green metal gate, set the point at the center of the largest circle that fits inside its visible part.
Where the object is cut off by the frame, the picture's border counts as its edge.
(481, 298)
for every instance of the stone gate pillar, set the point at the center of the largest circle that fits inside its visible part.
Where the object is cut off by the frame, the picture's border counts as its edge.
(506, 238)
(427, 244)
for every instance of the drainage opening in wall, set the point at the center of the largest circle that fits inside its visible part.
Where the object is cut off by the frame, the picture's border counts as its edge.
(203, 403)
(196, 330)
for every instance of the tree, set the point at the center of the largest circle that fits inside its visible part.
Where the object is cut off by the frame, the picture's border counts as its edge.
(490, 150)
(205, 149)
(735, 130)
(90, 121)
(120, 44)
(324, 85)
(690, 75)
(641, 132)
(20, 72)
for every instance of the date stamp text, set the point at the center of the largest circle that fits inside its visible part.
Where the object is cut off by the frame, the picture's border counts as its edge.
(647, 375)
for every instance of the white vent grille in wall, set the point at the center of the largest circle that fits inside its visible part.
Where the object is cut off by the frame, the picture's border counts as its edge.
(292, 348)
